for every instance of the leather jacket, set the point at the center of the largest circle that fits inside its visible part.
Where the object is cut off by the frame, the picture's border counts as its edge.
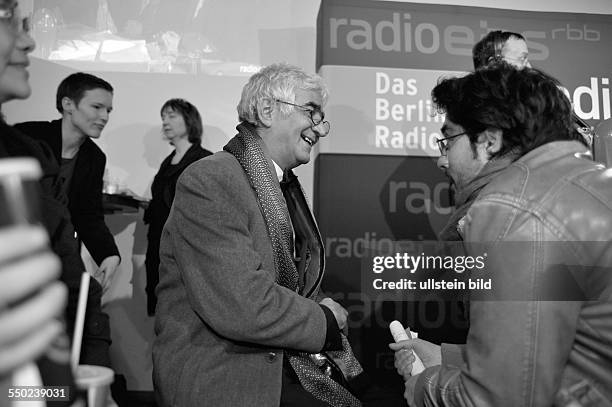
(522, 352)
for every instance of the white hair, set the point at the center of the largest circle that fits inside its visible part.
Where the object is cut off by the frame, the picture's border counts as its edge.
(276, 81)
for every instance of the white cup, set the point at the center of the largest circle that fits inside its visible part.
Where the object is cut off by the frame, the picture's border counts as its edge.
(96, 380)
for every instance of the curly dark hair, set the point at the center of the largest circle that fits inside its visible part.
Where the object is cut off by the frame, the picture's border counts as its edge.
(489, 48)
(191, 116)
(526, 105)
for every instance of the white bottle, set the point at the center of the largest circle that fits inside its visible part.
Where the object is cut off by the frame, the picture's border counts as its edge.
(399, 334)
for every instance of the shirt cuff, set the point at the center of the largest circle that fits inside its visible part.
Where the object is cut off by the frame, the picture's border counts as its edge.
(333, 341)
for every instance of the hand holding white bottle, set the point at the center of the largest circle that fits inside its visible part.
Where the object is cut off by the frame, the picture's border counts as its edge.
(399, 334)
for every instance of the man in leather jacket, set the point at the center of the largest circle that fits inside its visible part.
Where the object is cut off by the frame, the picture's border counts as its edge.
(543, 215)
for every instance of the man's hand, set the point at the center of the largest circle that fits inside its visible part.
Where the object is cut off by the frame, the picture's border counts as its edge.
(339, 312)
(107, 269)
(32, 301)
(429, 353)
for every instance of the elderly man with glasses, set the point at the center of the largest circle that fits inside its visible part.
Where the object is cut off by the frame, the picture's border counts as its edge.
(241, 319)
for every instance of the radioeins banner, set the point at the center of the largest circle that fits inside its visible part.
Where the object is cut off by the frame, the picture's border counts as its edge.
(376, 179)
(381, 60)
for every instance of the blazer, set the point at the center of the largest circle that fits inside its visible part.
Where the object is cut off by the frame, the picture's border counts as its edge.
(85, 193)
(222, 322)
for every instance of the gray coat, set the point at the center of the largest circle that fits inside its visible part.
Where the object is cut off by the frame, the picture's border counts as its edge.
(221, 321)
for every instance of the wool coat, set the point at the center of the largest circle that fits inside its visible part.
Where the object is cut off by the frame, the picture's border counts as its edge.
(222, 322)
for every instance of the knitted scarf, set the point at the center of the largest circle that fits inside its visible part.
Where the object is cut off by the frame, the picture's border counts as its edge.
(248, 149)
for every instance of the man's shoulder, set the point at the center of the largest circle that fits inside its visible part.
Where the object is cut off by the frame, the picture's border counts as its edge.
(540, 173)
(220, 166)
(219, 175)
(548, 185)
(216, 162)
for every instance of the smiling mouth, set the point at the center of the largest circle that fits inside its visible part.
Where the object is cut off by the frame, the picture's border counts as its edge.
(308, 140)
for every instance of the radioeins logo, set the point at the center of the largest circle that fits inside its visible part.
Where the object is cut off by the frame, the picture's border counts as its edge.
(401, 34)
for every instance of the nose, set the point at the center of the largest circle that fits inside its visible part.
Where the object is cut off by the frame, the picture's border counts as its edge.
(104, 115)
(528, 64)
(321, 129)
(443, 162)
(25, 42)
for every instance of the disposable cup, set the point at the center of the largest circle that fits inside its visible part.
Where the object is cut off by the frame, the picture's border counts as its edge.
(96, 381)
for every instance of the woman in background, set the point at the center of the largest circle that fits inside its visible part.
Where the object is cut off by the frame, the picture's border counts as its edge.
(182, 127)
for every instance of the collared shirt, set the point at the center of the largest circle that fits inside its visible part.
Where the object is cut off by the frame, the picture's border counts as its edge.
(279, 171)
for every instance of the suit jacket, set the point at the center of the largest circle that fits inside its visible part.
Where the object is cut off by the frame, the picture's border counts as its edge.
(222, 322)
(85, 193)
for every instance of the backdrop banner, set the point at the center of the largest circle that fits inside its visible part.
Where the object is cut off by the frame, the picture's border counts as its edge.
(376, 180)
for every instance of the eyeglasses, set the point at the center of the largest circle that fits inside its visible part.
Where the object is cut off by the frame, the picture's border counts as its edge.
(316, 115)
(13, 17)
(443, 144)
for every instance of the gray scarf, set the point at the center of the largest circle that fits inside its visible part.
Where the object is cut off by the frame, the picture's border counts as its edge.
(247, 147)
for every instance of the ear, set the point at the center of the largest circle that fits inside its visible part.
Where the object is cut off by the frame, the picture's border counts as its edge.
(492, 139)
(265, 112)
(67, 105)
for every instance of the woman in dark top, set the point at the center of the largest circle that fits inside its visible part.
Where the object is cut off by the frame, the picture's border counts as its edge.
(182, 127)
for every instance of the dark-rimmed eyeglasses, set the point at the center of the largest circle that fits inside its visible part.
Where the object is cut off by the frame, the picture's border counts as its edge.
(315, 113)
(443, 142)
(12, 16)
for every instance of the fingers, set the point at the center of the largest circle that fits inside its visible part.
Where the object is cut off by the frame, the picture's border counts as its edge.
(346, 324)
(99, 276)
(403, 361)
(22, 321)
(22, 278)
(22, 240)
(406, 344)
(103, 276)
(328, 302)
(29, 348)
(339, 312)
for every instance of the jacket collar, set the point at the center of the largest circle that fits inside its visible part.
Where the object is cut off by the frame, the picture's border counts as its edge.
(555, 150)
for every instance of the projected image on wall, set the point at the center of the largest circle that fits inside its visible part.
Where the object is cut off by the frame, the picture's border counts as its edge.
(215, 37)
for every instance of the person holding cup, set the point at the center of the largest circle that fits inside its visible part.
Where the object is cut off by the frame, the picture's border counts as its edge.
(15, 45)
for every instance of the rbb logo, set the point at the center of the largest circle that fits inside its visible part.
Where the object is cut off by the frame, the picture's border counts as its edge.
(576, 34)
